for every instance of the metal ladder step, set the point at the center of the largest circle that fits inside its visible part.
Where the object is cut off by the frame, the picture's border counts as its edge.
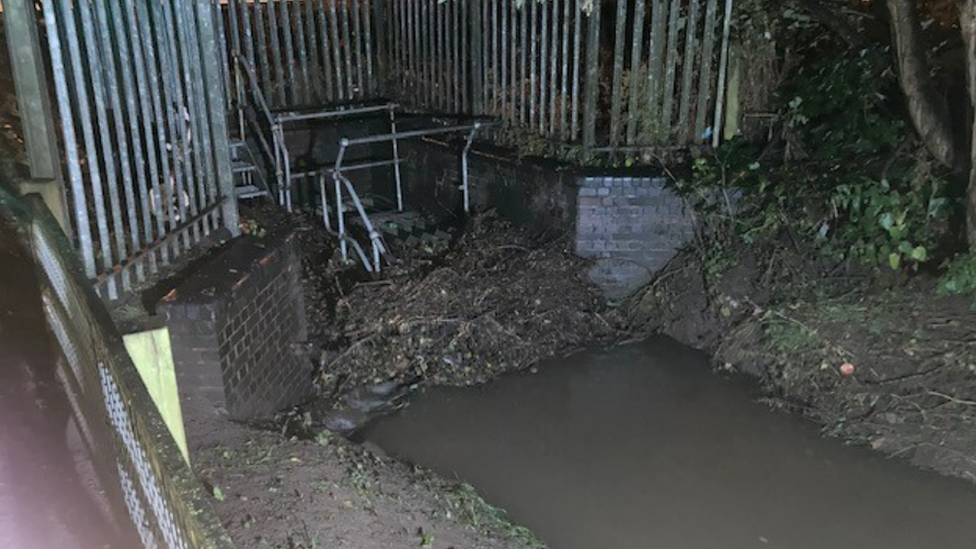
(245, 192)
(242, 166)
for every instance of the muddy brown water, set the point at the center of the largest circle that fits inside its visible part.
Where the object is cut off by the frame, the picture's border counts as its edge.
(642, 447)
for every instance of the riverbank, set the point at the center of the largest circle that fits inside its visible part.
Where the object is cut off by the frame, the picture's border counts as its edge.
(875, 359)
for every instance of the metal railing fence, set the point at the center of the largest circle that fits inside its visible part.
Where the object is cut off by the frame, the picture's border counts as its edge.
(309, 53)
(143, 121)
(553, 69)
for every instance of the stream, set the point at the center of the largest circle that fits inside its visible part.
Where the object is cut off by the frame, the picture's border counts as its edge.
(643, 446)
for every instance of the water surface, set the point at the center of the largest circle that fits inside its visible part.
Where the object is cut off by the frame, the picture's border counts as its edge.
(641, 446)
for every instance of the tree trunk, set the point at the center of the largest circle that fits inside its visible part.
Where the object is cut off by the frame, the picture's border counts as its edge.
(967, 24)
(928, 110)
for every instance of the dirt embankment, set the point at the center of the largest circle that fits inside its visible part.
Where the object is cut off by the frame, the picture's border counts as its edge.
(886, 363)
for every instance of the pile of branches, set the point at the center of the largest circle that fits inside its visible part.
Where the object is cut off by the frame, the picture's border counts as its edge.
(501, 300)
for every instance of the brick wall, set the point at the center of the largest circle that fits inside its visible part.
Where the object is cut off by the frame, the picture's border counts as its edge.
(536, 193)
(632, 226)
(234, 324)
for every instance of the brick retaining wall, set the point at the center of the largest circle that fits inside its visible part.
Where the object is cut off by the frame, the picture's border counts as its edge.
(631, 226)
(235, 326)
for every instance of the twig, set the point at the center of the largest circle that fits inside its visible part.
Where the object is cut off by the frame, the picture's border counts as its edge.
(953, 399)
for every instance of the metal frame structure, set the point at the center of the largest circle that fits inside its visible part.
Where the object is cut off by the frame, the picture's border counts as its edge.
(340, 181)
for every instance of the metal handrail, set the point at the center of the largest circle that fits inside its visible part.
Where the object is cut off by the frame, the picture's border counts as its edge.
(340, 181)
(276, 152)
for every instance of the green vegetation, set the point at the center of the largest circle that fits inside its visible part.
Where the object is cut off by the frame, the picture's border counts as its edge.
(462, 502)
(844, 172)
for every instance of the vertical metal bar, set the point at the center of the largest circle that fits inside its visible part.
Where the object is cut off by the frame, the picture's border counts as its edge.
(533, 59)
(616, 101)
(424, 59)
(486, 83)
(382, 27)
(445, 80)
(722, 75)
(655, 69)
(347, 50)
(396, 47)
(431, 25)
(287, 30)
(437, 32)
(327, 45)
(267, 84)
(465, 184)
(105, 150)
(458, 60)
(592, 85)
(670, 74)
(183, 173)
(303, 55)
(276, 59)
(207, 122)
(184, 39)
(687, 72)
(233, 20)
(368, 40)
(705, 78)
(553, 65)
(637, 42)
(467, 105)
(83, 113)
(140, 27)
(496, 87)
(235, 90)
(336, 44)
(564, 80)
(413, 37)
(82, 222)
(248, 32)
(222, 44)
(121, 139)
(396, 160)
(358, 41)
(340, 215)
(524, 64)
(543, 62)
(325, 202)
(318, 72)
(449, 79)
(515, 84)
(218, 123)
(577, 64)
(476, 97)
(503, 78)
(31, 86)
(125, 19)
(140, 155)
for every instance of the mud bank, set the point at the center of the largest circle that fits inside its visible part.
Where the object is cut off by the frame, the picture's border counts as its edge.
(876, 361)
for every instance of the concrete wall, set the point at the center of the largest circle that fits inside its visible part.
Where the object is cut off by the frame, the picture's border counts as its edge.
(631, 225)
(235, 324)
